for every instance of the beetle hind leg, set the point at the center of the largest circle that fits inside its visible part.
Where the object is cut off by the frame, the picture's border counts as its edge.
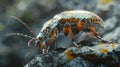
(97, 35)
(103, 40)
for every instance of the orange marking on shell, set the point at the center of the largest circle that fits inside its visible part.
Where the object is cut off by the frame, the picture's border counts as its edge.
(79, 25)
(100, 22)
(94, 19)
(97, 20)
(74, 20)
(71, 20)
(69, 55)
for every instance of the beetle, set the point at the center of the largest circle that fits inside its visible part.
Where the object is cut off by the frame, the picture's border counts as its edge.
(71, 23)
(68, 23)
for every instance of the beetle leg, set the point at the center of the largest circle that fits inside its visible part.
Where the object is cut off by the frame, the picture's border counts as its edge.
(97, 35)
(71, 33)
(67, 30)
(72, 36)
(52, 38)
(93, 30)
(76, 44)
(43, 47)
(103, 40)
(79, 25)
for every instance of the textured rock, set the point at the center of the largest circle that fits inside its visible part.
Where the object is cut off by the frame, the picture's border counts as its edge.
(113, 35)
(78, 4)
(86, 57)
(78, 62)
(110, 23)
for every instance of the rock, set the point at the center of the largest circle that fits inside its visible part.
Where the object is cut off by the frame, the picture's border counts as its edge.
(110, 23)
(78, 62)
(117, 8)
(98, 56)
(113, 35)
(78, 4)
(104, 4)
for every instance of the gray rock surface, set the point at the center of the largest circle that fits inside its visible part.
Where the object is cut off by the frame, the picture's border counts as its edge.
(102, 55)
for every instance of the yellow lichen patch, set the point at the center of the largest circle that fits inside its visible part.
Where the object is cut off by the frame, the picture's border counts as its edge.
(69, 55)
(101, 44)
(113, 45)
(106, 1)
(104, 50)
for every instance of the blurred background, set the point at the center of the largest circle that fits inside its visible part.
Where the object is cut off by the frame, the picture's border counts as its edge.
(36, 12)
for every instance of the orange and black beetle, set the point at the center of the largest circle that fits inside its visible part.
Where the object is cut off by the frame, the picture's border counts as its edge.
(71, 23)
(68, 23)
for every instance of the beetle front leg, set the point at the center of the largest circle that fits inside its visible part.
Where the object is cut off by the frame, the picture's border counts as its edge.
(52, 38)
(43, 46)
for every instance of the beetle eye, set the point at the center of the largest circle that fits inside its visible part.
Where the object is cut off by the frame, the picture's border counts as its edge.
(47, 30)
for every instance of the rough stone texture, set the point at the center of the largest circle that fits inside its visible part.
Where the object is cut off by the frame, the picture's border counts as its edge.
(102, 55)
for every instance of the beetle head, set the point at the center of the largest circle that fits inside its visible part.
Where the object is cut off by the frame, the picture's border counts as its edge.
(42, 36)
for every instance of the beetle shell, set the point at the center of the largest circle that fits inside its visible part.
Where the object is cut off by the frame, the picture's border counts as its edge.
(72, 18)
(81, 15)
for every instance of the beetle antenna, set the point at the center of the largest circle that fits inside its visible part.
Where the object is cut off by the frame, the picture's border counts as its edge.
(33, 39)
(24, 35)
(24, 24)
(19, 34)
